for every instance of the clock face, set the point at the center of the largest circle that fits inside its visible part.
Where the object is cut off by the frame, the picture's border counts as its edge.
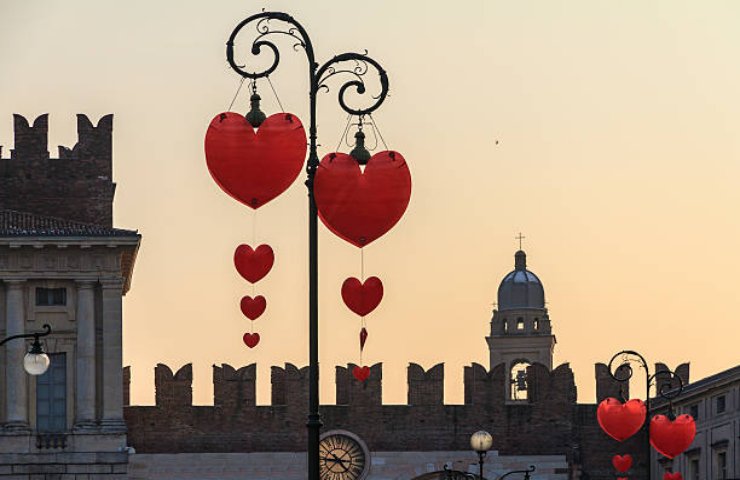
(343, 456)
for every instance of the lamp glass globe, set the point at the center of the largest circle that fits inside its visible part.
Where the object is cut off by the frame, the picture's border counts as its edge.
(481, 441)
(36, 363)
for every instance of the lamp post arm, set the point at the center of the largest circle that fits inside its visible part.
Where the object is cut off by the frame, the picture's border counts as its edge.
(526, 472)
(35, 336)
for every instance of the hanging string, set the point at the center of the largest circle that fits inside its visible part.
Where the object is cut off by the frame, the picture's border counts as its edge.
(344, 134)
(236, 94)
(362, 265)
(275, 93)
(375, 126)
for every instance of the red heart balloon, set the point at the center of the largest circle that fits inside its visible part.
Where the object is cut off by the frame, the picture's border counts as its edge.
(252, 308)
(621, 421)
(361, 373)
(251, 339)
(361, 206)
(253, 265)
(254, 167)
(672, 437)
(622, 463)
(362, 298)
(672, 476)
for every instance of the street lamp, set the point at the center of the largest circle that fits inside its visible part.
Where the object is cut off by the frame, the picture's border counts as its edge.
(481, 441)
(36, 362)
(351, 65)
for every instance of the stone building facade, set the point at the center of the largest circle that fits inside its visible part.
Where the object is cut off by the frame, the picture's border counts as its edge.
(62, 263)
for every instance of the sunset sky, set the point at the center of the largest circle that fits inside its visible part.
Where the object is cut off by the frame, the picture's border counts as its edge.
(618, 158)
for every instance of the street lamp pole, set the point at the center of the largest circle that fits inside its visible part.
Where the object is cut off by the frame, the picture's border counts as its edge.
(36, 362)
(359, 65)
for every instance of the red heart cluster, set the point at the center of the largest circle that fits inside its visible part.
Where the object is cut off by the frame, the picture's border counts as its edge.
(672, 437)
(253, 265)
(621, 421)
(622, 463)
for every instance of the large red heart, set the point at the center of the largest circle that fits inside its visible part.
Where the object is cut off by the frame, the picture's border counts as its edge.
(251, 339)
(621, 421)
(361, 373)
(362, 298)
(672, 476)
(252, 308)
(361, 206)
(254, 167)
(672, 437)
(622, 463)
(253, 265)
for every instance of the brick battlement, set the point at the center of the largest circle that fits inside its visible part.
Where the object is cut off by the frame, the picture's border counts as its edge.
(33, 182)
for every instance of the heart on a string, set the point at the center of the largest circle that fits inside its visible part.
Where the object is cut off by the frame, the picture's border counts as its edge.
(363, 338)
(622, 463)
(253, 265)
(672, 476)
(671, 438)
(621, 421)
(362, 298)
(360, 206)
(251, 339)
(254, 167)
(361, 373)
(622, 478)
(252, 308)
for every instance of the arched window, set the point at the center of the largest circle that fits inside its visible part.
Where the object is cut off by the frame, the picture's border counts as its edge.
(518, 380)
(536, 324)
(506, 326)
(520, 323)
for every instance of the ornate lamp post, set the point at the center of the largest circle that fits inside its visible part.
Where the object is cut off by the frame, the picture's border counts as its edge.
(481, 441)
(354, 65)
(36, 362)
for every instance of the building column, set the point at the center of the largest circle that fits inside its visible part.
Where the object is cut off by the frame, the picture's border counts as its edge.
(16, 378)
(85, 374)
(112, 418)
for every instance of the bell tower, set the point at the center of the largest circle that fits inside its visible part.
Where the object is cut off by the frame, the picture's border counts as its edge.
(521, 333)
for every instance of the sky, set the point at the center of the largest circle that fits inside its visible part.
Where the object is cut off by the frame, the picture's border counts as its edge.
(605, 132)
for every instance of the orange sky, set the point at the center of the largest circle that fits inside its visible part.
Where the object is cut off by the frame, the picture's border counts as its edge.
(618, 159)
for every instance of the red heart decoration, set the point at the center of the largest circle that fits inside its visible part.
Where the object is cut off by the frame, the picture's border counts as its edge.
(621, 421)
(252, 308)
(672, 476)
(622, 478)
(254, 167)
(361, 373)
(251, 339)
(362, 206)
(672, 437)
(363, 338)
(362, 298)
(622, 463)
(253, 265)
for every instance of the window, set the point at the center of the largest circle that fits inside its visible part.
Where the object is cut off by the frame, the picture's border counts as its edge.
(536, 324)
(721, 464)
(51, 396)
(518, 380)
(506, 326)
(693, 467)
(46, 297)
(721, 404)
(520, 323)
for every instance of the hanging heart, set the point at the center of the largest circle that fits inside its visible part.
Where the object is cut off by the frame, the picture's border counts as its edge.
(255, 167)
(622, 478)
(251, 339)
(621, 421)
(622, 463)
(362, 206)
(672, 437)
(361, 373)
(672, 476)
(363, 338)
(252, 308)
(253, 265)
(362, 298)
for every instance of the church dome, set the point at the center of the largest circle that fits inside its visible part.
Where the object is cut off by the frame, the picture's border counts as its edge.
(520, 288)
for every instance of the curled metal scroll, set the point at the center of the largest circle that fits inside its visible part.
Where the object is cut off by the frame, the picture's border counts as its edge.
(361, 66)
(623, 373)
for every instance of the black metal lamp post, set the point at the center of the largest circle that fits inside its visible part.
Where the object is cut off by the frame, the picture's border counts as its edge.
(36, 362)
(355, 66)
(669, 390)
(481, 441)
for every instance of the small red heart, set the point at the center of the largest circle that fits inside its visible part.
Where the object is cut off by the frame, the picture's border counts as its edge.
(362, 298)
(361, 373)
(621, 421)
(253, 265)
(363, 338)
(622, 478)
(252, 308)
(622, 463)
(671, 438)
(360, 206)
(254, 167)
(672, 476)
(251, 339)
